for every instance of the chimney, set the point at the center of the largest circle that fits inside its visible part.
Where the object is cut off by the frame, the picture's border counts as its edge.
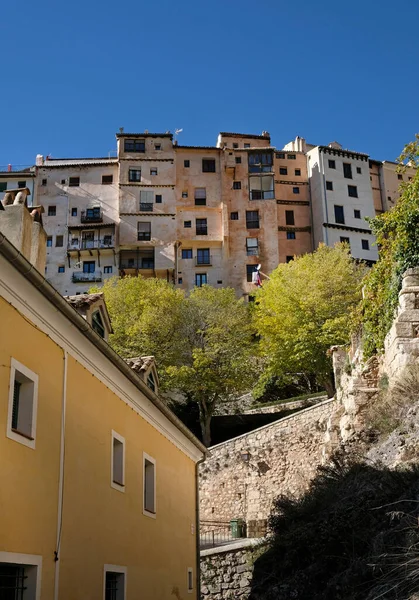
(9, 168)
(265, 134)
(39, 161)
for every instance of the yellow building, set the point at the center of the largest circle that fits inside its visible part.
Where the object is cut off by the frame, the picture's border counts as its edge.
(98, 495)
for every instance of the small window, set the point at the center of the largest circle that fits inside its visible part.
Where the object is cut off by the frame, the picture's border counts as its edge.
(238, 160)
(357, 214)
(237, 185)
(297, 172)
(235, 145)
(187, 253)
(208, 165)
(283, 171)
(345, 240)
(74, 181)
(250, 269)
(234, 216)
(399, 176)
(290, 235)
(347, 170)
(352, 191)
(201, 227)
(52, 211)
(159, 198)
(295, 190)
(201, 279)
(107, 239)
(329, 185)
(61, 268)
(289, 217)
(332, 164)
(149, 484)
(23, 400)
(289, 258)
(157, 146)
(21, 184)
(200, 196)
(180, 280)
(153, 171)
(246, 146)
(365, 244)
(187, 224)
(59, 241)
(339, 214)
(134, 145)
(115, 583)
(190, 580)
(44, 182)
(134, 175)
(186, 164)
(62, 181)
(280, 155)
(107, 269)
(291, 156)
(97, 324)
(185, 194)
(144, 232)
(107, 179)
(358, 170)
(252, 219)
(3, 186)
(118, 462)
(49, 241)
(74, 212)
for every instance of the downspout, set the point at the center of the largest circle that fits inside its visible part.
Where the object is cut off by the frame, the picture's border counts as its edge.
(61, 481)
(197, 531)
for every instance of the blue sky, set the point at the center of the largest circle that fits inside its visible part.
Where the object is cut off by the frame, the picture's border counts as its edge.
(73, 73)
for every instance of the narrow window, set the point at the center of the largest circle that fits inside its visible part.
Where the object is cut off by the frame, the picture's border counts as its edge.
(238, 160)
(61, 268)
(357, 214)
(49, 241)
(208, 165)
(159, 198)
(118, 462)
(200, 196)
(74, 181)
(290, 235)
(252, 219)
(365, 244)
(187, 224)
(352, 191)
(289, 217)
(62, 181)
(44, 182)
(332, 164)
(114, 583)
(74, 212)
(180, 280)
(283, 171)
(347, 170)
(252, 246)
(134, 175)
(339, 214)
(200, 279)
(234, 216)
(237, 185)
(59, 241)
(201, 227)
(23, 399)
(190, 580)
(150, 382)
(107, 269)
(144, 232)
(358, 170)
(187, 253)
(297, 172)
(329, 185)
(186, 164)
(149, 479)
(52, 211)
(107, 179)
(97, 324)
(295, 190)
(250, 269)
(185, 194)
(153, 171)
(21, 184)
(107, 240)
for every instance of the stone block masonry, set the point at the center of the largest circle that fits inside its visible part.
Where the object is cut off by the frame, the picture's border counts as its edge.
(241, 477)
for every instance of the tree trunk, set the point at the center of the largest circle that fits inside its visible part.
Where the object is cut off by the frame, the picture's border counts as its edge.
(205, 421)
(328, 384)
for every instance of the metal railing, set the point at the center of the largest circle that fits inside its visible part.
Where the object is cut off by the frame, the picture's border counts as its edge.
(91, 216)
(252, 251)
(91, 244)
(146, 206)
(141, 264)
(79, 276)
(203, 260)
(217, 533)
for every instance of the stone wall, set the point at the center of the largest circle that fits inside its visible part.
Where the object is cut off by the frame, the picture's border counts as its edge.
(226, 572)
(241, 477)
(286, 405)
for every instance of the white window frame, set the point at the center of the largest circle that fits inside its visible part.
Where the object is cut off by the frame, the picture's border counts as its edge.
(15, 365)
(114, 484)
(153, 461)
(115, 569)
(34, 580)
(190, 589)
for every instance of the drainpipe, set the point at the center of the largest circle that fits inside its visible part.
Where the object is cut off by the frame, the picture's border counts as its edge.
(197, 531)
(61, 481)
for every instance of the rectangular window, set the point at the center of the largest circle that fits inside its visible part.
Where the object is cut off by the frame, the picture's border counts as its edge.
(235, 145)
(297, 172)
(201, 227)
(159, 198)
(260, 162)
(283, 171)
(358, 170)
(153, 171)
(74, 212)
(61, 269)
(329, 185)
(59, 241)
(118, 462)
(208, 165)
(246, 145)
(52, 211)
(252, 219)
(89, 266)
(49, 241)
(290, 235)
(295, 190)
(20, 576)
(115, 582)
(74, 181)
(261, 188)
(234, 216)
(280, 155)
(339, 214)
(186, 164)
(23, 402)
(107, 269)
(185, 194)
(291, 156)
(107, 179)
(352, 191)
(187, 224)
(332, 164)
(21, 184)
(134, 175)
(44, 182)
(3, 186)
(250, 269)
(289, 217)
(190, 580)
(149, 484)
(357, 214)
(107, 240)
(252, 246)
(134, 146)
(365, 244)
(347, 170)
(144, 232)
(201, 279)
(187, 253)
(237, 185)
(157, 146)
(399, 176)
(146, 200)
(200, 196)
(203, 256)
(345, 240)
(238, 160)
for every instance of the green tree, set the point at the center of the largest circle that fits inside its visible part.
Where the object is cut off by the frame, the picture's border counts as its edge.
(305, 308)
(219, 362)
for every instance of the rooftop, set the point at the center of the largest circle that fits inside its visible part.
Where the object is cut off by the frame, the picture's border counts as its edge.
(84, 300)
(167, 134)
(246, 135)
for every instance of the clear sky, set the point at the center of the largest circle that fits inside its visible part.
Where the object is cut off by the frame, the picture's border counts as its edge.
(74, 72)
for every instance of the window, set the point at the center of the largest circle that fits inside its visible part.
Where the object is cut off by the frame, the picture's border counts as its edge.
(365, 244)
(237, 185)
(185, 194)
(97, 323)
(186, 164)
(107, 179)
(149, 485)
(134, 146)
(118, 462)
(208, 165)
(289, 258)
(21, 184)
(280, 155)
(352, 191)
(399, 176)
(187, 253)
(260, 162)
(201, 279)
(44, 182)
(89, 266)
(23, 401)
(235, 145)
(114, 584)
(52, 211)
(261, 188)
(74, 181)
(190, 580)
(159, 198)
(107, 269)
(180, 280)
(289, 217)
(358, 170)
(252, 219)
(20, 576)
(146, 200)
(234, 216)
(339, 214)
(332, 164)
(291, 156)
(357, 214)
(345, 240)
(3, 186)
(62, 181)
(329, 185)
(203, 256)
(157, 146)
(187, 224)
(295, 190)
(238, 160)
(347, 170)
(200, 196)
(297, 172)
(250, 269)
(144, 232)
(61, 269)
(290, 235)
(49, 241)
(150, 382)
(201, 227)
(246, 145)
(283, 171)
(153, 171)
(74, 212)
(134, 175)
(59, 241)
(252, 246)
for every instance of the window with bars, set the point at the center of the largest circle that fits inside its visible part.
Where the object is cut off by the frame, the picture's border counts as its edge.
(114, 585)
(13, 582)
(144, 232)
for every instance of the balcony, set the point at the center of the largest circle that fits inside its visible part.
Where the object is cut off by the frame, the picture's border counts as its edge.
(203, 260)
(92, 215)
(126, 264)
(80, 277)
(146, 207)
(91, 244)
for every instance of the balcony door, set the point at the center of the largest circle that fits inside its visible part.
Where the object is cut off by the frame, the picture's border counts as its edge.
(87, 239)
(89, 266)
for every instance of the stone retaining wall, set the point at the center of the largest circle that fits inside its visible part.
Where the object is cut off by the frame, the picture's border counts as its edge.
(286, 405)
